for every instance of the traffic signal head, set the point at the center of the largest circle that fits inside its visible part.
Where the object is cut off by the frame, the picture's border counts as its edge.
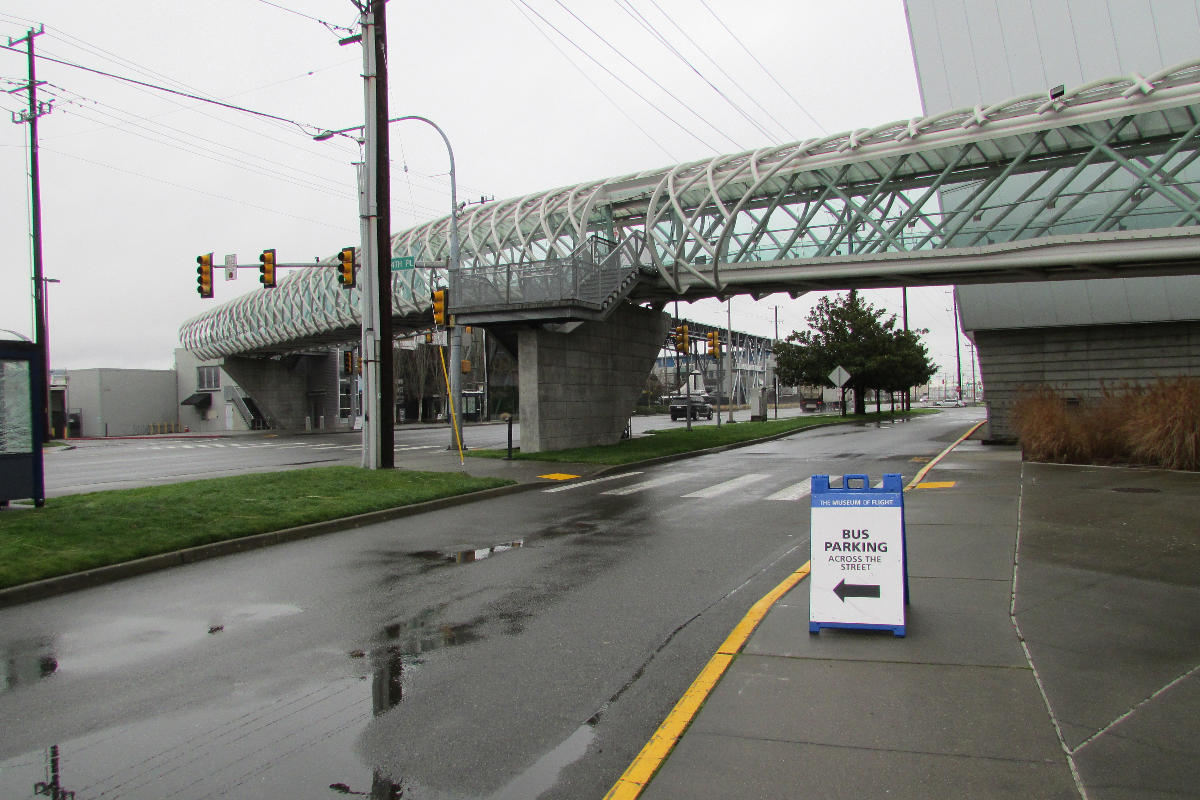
(681, 338)
(439, 307)
(714, 342)
(346, 267)
(348, 362)
(204, 276)
(266, 270)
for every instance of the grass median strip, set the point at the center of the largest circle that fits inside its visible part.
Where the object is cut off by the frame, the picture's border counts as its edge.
(79, 532)
(674, 441)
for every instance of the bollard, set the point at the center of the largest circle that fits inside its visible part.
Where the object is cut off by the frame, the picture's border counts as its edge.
(508, 418)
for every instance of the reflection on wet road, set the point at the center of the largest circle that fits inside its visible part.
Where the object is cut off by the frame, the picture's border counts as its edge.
(521, 647)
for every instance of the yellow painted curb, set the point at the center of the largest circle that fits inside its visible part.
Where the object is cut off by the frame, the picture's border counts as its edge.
(655, 752)
(921, 473)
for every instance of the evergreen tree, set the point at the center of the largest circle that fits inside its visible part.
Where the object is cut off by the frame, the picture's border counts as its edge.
(854, 335)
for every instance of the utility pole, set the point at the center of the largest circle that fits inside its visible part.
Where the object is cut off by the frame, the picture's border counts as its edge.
(957, 349)
(775, 359)
(729, 330)
(379, 387)
(387, 372)
(904, 306)
(30, 117)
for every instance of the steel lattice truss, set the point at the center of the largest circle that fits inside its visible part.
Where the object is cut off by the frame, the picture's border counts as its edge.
(1107, 163)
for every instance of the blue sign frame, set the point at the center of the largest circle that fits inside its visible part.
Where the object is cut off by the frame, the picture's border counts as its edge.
(856, 497)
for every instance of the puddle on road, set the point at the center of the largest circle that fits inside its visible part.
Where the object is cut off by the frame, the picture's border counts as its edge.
(108, 643)
(25, 662)
(246, 745)
(544, 773)
(438, 558)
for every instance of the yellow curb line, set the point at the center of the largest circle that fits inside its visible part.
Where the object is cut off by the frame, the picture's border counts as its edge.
(651, 757)
(647, 762)
(921, 473)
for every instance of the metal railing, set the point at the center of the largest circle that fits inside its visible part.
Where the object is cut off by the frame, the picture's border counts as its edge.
(592, 277)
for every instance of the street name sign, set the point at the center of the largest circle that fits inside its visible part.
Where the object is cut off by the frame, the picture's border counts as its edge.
(859, 565)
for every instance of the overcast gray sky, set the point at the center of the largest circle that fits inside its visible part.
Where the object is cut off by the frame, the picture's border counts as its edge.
(136, 183)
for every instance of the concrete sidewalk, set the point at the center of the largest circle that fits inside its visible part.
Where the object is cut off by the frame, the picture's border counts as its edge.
(1084, 683)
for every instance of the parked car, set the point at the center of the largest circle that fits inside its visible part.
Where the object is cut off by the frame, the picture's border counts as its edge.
(699, 407)
(950, 402)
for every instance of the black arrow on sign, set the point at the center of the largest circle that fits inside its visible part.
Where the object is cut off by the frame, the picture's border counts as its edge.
(844, 590)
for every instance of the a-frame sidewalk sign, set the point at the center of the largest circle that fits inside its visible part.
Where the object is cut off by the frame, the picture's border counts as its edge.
(859, 569)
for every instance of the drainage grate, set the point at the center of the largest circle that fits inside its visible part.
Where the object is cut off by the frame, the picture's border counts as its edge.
(1136, 489)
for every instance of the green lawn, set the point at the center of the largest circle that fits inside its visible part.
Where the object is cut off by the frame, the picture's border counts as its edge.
(79, 532)
(675, 440)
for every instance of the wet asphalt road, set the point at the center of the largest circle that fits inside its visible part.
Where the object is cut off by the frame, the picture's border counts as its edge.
(91, 465)
(520, 647)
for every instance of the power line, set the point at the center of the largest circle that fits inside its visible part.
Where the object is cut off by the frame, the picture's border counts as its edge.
(69, 97)
(194, 189)
(640, 18)
(768, 72)
(597, 86)
(106, 55)
(619, 79)
(722, 70)
(306, 128)
(687, 107)
(331, 26)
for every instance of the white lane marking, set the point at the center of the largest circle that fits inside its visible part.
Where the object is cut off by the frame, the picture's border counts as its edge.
(650, 484)
(797, 491)
(567, 486)
(728, 486)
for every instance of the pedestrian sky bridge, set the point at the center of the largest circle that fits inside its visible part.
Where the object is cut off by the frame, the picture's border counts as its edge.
(1104, 177)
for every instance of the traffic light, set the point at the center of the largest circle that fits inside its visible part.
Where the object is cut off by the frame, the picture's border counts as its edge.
(682, 343)
(714, 342)
(348, 362)
(439, 307)
(346, 267)
(266, 270)
(204, 284)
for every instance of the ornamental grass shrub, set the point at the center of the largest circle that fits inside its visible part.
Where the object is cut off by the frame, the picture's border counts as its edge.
(1158, 425)
(1164, 428)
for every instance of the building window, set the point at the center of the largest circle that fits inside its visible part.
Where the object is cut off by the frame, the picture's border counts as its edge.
(208, 378)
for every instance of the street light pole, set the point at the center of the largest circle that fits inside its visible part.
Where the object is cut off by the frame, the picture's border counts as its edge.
(455, 330)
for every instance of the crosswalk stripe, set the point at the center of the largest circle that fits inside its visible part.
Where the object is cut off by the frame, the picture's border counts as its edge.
(797, 491)
(727, 486)
(567, 486)
(661, 480)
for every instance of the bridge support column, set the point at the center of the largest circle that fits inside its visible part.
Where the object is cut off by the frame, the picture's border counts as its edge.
(578, 383)
(290, 388)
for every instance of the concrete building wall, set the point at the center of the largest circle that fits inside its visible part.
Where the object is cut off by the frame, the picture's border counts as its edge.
(122, 402)
(579, 389)
(294, 391)
(1081, 361)
(221, 415)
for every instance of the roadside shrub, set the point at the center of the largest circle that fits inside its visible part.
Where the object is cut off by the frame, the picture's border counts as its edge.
(1164, 427)
(1047, 428)
(1156, 426)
